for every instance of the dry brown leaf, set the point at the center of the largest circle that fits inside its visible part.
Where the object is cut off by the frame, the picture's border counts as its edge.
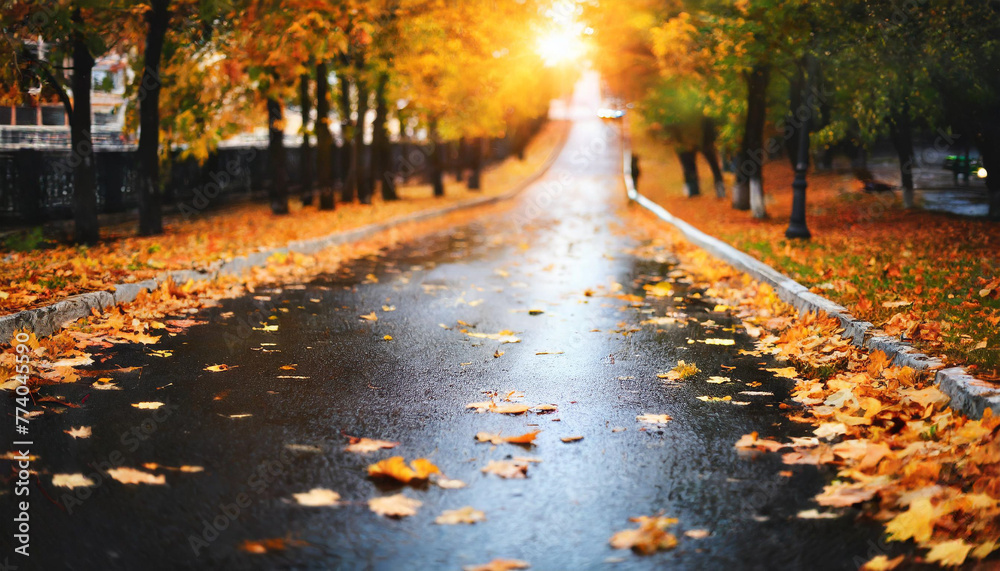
(447, 483)
(648, 538)
(81, 432)
(654, 418)
(148, 405)
(571, 438)
(133, 476)
(467, 514)
(370, 317)
(71, 481)
(267, 545)
(882, 563)
(496, 438)
(362, 445)
(498, 565)
(220, 368)
(318, 497)
(507, 469)
(950, 553)
(697, 533)
(396, 505)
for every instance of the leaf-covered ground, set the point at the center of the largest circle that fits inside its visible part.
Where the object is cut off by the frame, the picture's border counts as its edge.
(930, 277)
(43, 276)
(932, 476)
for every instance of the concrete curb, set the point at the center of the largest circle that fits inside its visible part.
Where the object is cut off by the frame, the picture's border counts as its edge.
(46, 320)
(969, 395)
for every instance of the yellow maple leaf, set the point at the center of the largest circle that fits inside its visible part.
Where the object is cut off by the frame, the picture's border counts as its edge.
(917, 522)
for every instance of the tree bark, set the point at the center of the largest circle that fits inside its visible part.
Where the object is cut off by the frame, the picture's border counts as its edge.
(347, 128)
(360, 157)
(476, 165)
(381, 149)
(278, 192)
(86, 228)
(708, 135)
(752, 152)
(902, 139)
(324, 141)
(689, 164)
(150, 193)
(792, 122)
(306, 152)
(437, 161)
(459, 157)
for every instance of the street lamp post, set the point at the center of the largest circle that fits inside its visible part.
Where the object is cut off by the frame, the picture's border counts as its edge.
(797, 223)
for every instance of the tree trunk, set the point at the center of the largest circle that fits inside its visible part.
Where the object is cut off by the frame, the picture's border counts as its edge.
(150, 198)
(324, 141)
(437, 161)
(86, 228)
(278, 192)
(753, 153)
(381, 149)
(307, 156)
(459, 157)
(793, 125)
(988, 142)
(902, 140)
(708, 134)
(360, 157)
(347, 128)
(476, 165)
(689, 164)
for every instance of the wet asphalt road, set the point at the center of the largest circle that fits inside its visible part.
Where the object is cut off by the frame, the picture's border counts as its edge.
(558, 240)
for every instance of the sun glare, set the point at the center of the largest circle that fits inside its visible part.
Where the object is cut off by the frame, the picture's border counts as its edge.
(560, 46)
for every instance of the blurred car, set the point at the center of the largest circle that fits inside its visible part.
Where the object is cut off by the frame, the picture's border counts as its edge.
(610, 113)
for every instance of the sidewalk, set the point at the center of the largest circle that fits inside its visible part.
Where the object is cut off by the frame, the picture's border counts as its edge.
(930, 278)
(38, 278)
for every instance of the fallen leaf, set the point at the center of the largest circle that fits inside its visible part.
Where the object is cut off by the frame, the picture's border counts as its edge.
(496, 438)
(71, 481)
(571, 438)
(318, 497)
(950, 553)
(697, 533)
(504, 336)
(718, 342)
(396, 505)
(396, 468)
(370, 317)
(467, 514)
(362, 445)
(447, 483)
(654, 418)
(816, 514)
(510, 408)
(648, 538)
(882, 563)
(266, 545)
(219, 368)
(498, 565)
(133, 476)
(148, 405)
(506, 469)
(785, 372)
(82, 432)
(916, 523)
